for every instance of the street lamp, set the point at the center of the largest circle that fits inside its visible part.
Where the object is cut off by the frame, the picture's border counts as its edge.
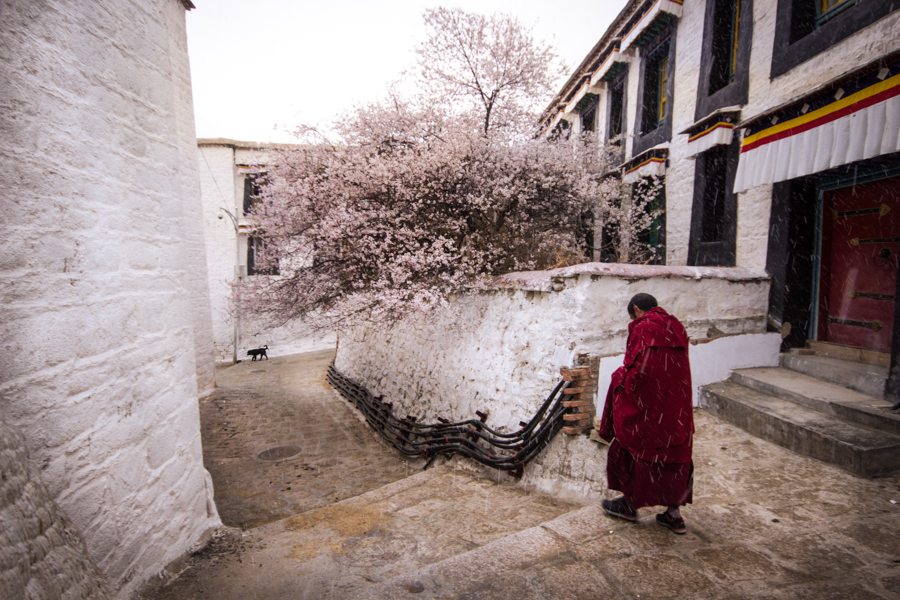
(237, 279)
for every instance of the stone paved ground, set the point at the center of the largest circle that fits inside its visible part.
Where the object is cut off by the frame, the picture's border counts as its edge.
(765, 523)
(285, 401)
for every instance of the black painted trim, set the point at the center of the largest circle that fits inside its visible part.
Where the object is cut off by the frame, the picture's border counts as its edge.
(663, 133)
(723, 253)
(789, 261)
(735, 93)
(892, 386)
(787, 55)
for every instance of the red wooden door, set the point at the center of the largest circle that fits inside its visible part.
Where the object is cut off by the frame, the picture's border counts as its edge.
(860, 241)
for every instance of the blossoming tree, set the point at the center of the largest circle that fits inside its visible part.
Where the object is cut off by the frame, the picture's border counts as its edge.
(407, 203)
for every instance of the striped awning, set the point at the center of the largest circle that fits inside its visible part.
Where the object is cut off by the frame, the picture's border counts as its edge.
(651, 163)
(613, 62)
(858, 120)
(585, 89)
(658, 14)
(251, 169)
(713, 130)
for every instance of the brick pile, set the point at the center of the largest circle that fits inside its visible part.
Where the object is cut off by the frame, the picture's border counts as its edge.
(580, 395)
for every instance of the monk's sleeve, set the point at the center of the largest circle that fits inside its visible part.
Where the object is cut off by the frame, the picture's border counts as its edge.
(636, 376)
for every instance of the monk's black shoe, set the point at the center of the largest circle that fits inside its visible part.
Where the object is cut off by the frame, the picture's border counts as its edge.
(675, 524)
(619, 509)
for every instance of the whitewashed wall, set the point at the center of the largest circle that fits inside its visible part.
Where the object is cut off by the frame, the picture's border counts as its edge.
(502, 350)
(105, 325)
(764, 93)
(217, 187)
(222, 186)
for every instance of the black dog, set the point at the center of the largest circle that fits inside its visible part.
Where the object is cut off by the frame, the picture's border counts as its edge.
(258, 353)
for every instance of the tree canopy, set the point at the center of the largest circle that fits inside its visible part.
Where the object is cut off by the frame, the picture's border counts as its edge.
(408, 202)
(489, 65)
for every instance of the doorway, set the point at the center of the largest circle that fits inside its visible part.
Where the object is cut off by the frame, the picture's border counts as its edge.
(856, 255)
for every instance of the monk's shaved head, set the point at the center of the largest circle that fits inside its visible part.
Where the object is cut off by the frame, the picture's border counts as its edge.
(642, 301)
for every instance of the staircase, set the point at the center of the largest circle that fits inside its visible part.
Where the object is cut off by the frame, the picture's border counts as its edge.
(823, 407)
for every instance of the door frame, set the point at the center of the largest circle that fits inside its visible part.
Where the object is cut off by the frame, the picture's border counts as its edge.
(836, 182)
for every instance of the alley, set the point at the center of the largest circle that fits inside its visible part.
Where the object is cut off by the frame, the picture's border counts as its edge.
(347, 517)
(277, 442)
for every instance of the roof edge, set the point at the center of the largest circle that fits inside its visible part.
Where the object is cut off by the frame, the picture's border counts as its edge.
(241, 144)
(594, 53)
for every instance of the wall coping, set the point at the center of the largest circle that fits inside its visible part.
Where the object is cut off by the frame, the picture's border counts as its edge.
(543, 281)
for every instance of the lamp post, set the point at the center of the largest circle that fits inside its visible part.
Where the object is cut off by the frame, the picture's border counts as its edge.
(237, 279)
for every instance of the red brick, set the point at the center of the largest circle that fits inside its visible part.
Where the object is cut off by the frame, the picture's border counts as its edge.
(574, 430)
(576, 390)
(574, 403)
(586, 417)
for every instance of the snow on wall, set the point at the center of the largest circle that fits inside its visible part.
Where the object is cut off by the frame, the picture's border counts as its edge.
(105, 341)
(502, 350)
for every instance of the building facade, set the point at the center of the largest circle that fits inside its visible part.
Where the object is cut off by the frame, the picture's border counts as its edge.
(106, 328)
(775, 127)
(231, 173)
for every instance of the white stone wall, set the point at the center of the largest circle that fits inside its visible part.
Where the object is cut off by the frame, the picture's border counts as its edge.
(502, 351)
(217, 186)
(103, 328)
(863, 46)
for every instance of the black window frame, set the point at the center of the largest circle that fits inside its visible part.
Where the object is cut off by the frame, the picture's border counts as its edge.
(644, 140)
(714, 174)
(618, 86)
(798, 38)
(252, 184)
(589, 110)
(736, 92)
(256, 244)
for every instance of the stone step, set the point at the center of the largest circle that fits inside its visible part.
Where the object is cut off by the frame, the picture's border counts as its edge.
(861, 450)
(820, 395)
(469, 573)
(867, 378)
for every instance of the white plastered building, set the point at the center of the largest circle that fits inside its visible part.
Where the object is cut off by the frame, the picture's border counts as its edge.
(230, 171)
(765, 119)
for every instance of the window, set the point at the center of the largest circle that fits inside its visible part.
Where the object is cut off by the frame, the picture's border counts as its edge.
(663, 78)
(725, 59)
(653, 122)
(656, 78)
(713, 226)
(616, 116)
(826, 9)
(804, 28)
(649, 195)
(589, 116)
(713, 218)
(562, 130)
(252, 188)
(726, 36)
(256, 259)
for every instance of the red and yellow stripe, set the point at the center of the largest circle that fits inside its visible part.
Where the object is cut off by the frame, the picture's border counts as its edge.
(865, 98)
(719, 125)
(656, 159)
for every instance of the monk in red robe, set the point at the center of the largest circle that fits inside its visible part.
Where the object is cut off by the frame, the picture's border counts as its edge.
(649, 420)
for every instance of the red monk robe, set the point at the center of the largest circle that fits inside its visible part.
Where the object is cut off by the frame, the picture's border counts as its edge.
(648, 415)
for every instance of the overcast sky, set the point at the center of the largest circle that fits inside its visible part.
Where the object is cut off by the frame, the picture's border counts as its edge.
(258, 68)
